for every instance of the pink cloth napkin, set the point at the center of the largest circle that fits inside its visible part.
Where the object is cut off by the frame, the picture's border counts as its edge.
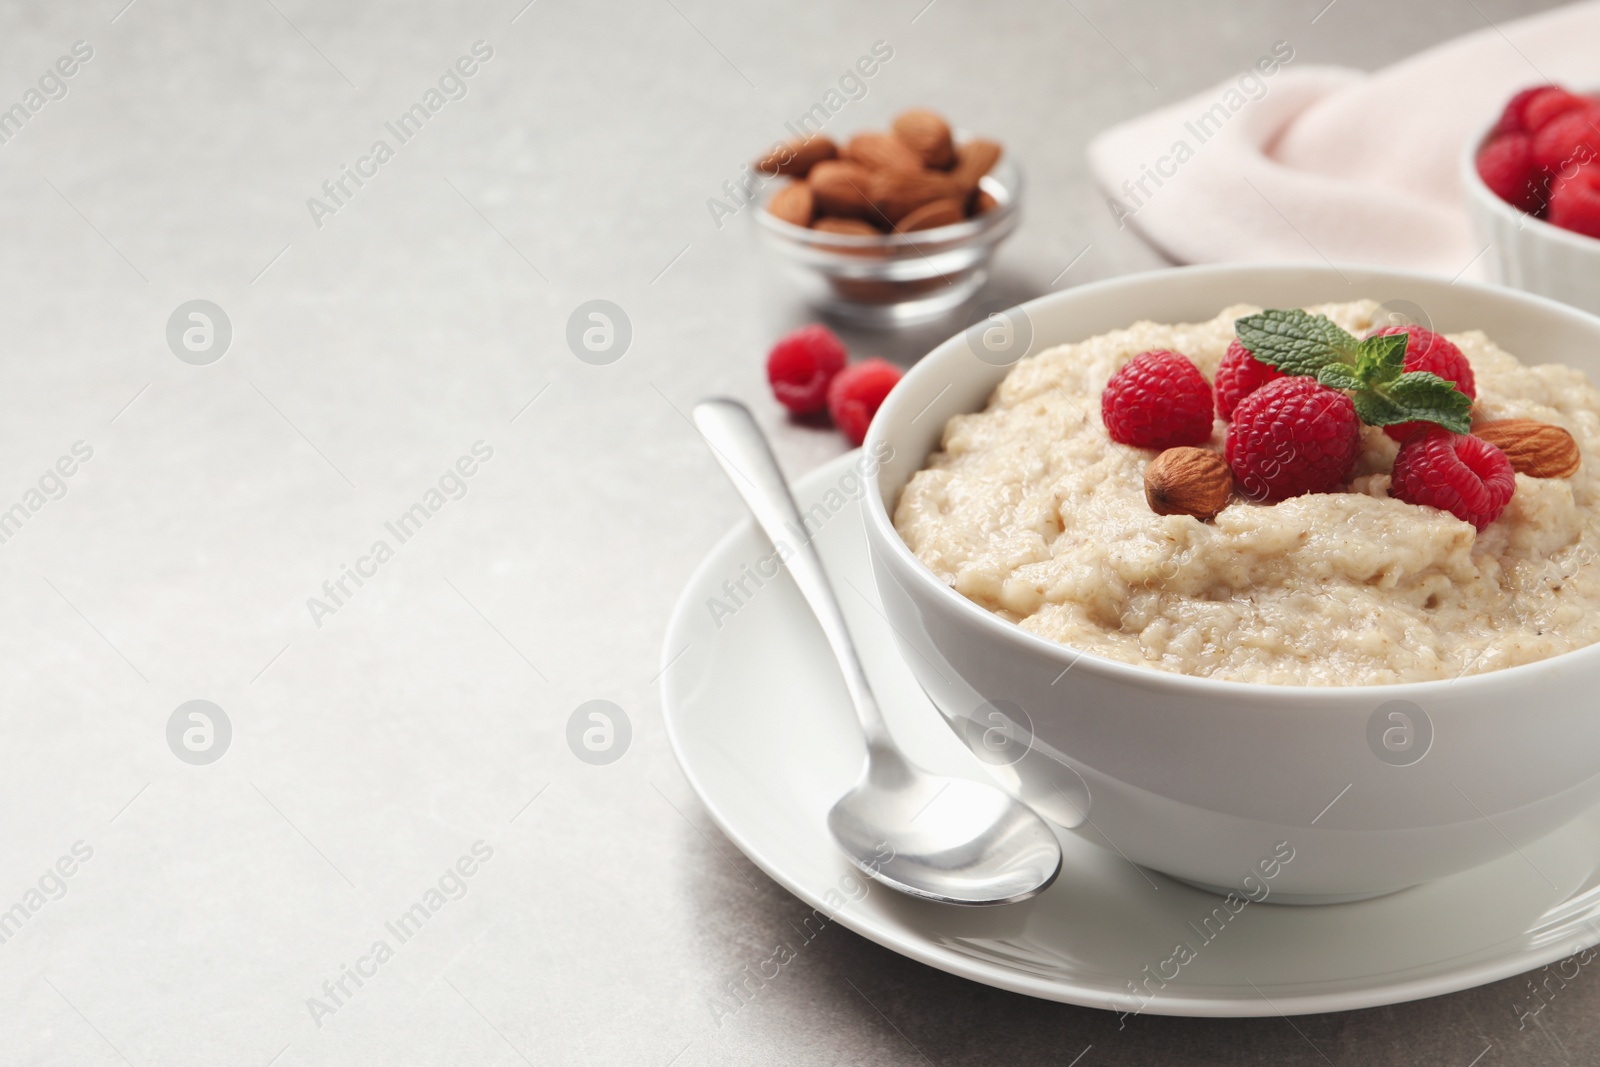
(1329, 163)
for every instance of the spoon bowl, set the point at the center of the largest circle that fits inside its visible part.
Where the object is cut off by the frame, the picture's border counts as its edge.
(947, 839)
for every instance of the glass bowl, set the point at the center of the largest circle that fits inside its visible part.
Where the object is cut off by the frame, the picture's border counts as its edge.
(898, 279)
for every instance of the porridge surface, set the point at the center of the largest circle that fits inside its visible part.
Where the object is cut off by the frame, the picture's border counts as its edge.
(1030, 510)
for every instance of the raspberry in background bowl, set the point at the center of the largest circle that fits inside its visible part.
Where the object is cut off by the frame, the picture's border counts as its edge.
(1543, 157)
(1524, 250)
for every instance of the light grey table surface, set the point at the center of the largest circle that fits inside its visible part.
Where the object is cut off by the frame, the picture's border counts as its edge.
(373, 744)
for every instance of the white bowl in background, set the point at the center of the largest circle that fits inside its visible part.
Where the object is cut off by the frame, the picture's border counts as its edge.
(1525, 252)
(1206, 780)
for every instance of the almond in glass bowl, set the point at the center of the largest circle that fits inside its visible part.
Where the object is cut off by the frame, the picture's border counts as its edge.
(890, 229)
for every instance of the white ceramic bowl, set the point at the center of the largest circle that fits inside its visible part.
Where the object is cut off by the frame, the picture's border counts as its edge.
(1525, 252)
(1202, 779)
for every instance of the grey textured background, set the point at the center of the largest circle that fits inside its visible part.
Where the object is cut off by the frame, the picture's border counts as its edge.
(368, 754)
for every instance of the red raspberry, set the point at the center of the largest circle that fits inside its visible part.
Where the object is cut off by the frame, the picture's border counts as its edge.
(1290, 437)
(1458, 473)
(1514, 118)
(1567, 141)
(1575, 203)
(801, 365)
(1239, 375)
(1546, 104)
(1157, 400)
(857, 393)
(1426, 350)
(1507, 168)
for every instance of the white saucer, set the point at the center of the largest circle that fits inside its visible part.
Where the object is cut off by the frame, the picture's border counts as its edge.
(759, 720)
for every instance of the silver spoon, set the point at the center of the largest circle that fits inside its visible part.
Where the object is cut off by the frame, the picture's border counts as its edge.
(945, 839)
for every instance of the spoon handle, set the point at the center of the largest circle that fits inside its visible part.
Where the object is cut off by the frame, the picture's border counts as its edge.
(742, 450)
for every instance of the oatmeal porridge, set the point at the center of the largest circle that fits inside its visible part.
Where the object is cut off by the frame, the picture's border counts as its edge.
(1030, 510)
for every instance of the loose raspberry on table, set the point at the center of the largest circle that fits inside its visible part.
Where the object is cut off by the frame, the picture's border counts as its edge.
(1157, 399)
(1575, 202)
(1292, 436)
(802, 364)
(1506, 166)
(1428, 351)
(857, 393)
(1458, 473)
(1239, 375)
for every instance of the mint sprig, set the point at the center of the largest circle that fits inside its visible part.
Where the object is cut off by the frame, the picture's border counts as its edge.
(1372, 371)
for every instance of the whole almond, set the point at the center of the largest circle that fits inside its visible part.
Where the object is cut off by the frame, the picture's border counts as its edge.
(1536, 449)
(898, 193)
(982, 201)
(843, 188)
(934, 213)
(850, 227)
(974, 159)
(796, 158)
(794, 204)
(926, 134)
(1188, 481)
(880, 151)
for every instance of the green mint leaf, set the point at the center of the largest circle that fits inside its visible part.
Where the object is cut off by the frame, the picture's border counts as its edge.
(1372, 371)
(1338, 376)
(1376, 410)
(1295, 341)
(1426, 397)
(1381, 359)
(1418, 396)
